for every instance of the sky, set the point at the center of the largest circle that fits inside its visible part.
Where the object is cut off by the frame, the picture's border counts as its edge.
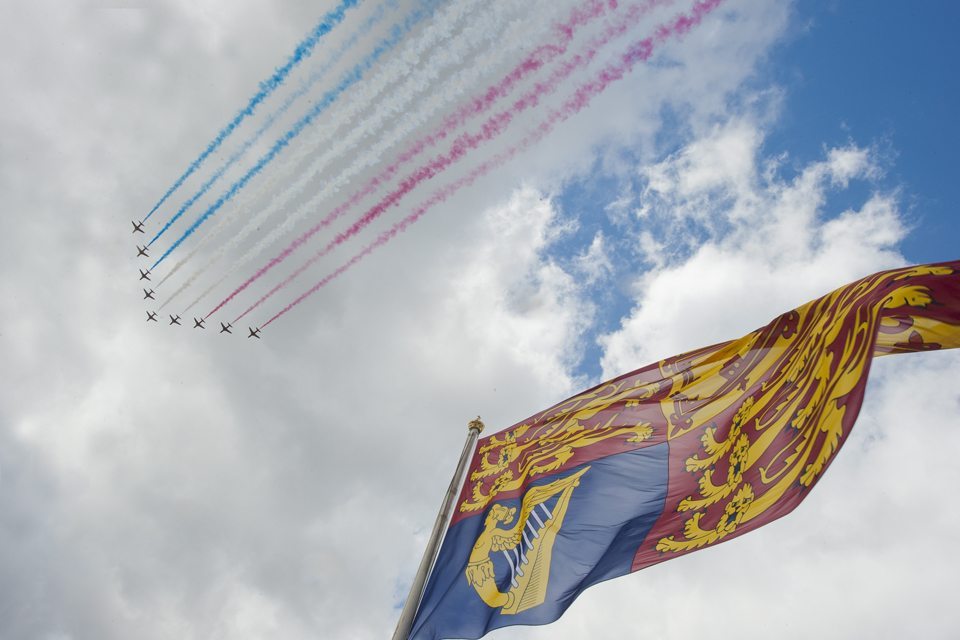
(158, 481)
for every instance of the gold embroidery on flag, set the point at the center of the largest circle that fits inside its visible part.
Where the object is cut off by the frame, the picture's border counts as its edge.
(791, 381)
(511, 463)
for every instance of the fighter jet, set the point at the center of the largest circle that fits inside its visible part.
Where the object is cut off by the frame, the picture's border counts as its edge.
(151, 316)
(225, 328)
(254, 333)
(148, 294)
(145, 275)
(175, 320)
(137, 226)
(198, 323)
(142, 251)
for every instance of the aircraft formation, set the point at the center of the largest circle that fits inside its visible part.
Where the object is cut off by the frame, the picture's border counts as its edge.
(148, 294)
(344, 175)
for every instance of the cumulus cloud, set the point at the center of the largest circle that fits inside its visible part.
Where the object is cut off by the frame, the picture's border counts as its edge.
(594, 262)
(733, 243)
(534, 306)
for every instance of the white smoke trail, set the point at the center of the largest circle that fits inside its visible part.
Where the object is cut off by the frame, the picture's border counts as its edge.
(483, 30)
(362, 96)
(306, 85)
(498, 24)
(490, 129)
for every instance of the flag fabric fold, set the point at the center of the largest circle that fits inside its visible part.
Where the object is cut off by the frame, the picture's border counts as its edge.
(674, 457)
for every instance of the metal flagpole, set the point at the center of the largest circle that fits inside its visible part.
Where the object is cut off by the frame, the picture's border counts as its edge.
(405, 622)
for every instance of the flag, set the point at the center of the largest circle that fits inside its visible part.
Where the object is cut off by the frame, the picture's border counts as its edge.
(671, 458)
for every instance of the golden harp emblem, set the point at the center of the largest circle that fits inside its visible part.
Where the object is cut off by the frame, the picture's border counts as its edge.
(527, 545)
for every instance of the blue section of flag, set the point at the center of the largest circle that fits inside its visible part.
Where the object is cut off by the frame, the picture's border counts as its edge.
(608, 516)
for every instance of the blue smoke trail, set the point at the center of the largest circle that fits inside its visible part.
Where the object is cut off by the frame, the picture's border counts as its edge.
(303, 50)
(315, 77)
(426, 9)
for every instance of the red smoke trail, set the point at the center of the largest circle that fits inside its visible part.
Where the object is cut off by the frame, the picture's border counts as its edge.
(465, 142)
(638, 52)
(540, 57)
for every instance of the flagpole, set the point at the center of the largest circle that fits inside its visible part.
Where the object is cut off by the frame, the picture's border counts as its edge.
(405, 623)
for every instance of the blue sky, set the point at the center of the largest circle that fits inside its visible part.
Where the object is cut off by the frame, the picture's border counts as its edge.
(871, 74)
(880, 73)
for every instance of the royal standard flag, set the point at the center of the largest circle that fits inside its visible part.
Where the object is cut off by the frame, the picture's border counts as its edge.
(674, 457)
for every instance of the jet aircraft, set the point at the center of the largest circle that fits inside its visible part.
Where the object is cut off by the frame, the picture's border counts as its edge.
(148, 294)
(145, 275)
(151, 316)
(137, 226)
(175, 319)
(142, 251)
(225, 328)
(198, 323)
(254, 333)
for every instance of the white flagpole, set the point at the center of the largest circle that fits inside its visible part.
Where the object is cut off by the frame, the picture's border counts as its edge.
(405, 623)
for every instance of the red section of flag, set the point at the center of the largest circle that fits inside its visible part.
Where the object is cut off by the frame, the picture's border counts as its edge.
(755, 422)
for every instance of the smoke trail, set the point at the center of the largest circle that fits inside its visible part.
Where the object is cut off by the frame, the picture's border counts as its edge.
(638, 52)
(482, 30)
(315, 77)
(350, 78)
(492, 128)
(305, 86)
(403, 63)
(537, 59)
(268, 86)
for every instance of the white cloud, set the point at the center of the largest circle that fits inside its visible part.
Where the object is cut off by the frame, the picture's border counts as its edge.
(594, 262)
(723, 160)
(534, 307)
(770, 244)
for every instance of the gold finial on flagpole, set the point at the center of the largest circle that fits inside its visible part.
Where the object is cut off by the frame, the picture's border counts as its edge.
(476, 425)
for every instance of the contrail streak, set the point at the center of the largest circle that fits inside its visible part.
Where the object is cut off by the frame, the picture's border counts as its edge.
(404, 62)
(536, 60)
(466, 142)
(488, 27)
(313, 79)
(349, 79)
(483, 30)
(268, 86)
(638, 52)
